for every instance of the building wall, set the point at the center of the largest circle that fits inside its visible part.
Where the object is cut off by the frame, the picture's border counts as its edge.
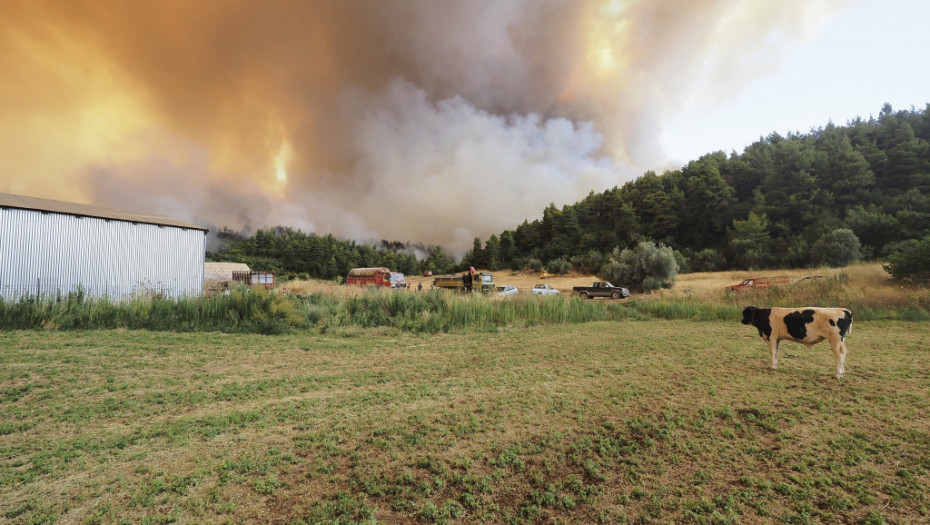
(52, 253)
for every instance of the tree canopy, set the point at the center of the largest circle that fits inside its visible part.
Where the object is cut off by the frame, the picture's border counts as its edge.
(778, 204)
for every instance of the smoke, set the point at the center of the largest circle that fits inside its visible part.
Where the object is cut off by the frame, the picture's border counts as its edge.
(428, 121)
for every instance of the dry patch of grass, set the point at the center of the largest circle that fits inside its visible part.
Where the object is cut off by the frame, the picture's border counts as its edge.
(867, 279)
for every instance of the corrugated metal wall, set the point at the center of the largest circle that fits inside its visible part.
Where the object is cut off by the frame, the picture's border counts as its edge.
(48, 254)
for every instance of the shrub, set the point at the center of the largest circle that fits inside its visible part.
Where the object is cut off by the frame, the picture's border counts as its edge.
(648, 266)
(707, 260)
(534, 265)
(559, 266)
(837, 248)
(910, 263)
(589, 262)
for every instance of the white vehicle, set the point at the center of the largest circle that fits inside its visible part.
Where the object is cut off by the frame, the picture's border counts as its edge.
(398, 280)
(545, 289)
(508, 290)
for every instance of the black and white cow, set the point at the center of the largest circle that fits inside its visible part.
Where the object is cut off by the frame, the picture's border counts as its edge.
(807, 326)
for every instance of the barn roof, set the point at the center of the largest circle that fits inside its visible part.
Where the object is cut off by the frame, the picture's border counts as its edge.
(8, 200)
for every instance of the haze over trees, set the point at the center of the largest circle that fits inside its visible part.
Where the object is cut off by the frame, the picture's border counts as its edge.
(830, 196)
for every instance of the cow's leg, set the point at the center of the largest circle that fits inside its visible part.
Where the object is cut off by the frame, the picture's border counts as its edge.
(773, 351)
(839, 354)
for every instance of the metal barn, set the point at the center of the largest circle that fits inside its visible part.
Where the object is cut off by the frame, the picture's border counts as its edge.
(51, 248)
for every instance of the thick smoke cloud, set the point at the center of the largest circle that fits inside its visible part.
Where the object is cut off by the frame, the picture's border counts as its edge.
(430, 121)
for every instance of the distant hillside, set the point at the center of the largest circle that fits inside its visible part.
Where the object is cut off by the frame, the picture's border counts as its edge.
(770, 206)
(784, 202)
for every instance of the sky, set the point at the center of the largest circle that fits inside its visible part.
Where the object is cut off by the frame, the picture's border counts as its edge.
(866, 55)
(419, 120)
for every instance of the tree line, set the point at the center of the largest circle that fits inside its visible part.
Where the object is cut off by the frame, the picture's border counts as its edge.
(839, 192)
(830, 196)
(293, 254)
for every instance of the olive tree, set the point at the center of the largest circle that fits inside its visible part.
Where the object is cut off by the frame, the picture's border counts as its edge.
(648, 266)
(837, 248)
(559, 266)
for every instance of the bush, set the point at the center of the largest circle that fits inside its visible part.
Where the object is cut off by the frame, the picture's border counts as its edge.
(646, 267)
(707, 260)
(559, 266)
(534, 265)
(837, 248)
(589, 262)
(911, 263)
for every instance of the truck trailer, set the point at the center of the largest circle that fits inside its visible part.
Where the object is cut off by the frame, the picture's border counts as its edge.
(466, 282)
(380, 276)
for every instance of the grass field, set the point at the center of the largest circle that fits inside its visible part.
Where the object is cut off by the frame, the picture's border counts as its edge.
(602, 422)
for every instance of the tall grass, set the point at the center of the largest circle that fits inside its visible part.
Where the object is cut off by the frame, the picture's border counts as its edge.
(261, 311)
(836, 291)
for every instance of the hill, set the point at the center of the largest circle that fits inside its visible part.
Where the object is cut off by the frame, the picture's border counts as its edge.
(859, 191)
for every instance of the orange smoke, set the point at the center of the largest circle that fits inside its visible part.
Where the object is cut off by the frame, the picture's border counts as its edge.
(363, 119)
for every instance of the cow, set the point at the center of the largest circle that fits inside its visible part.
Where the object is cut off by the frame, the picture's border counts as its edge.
(807, 326)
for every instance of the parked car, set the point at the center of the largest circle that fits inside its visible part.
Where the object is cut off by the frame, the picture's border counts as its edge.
(398, 280)
(507, 290)
(544, 289)
(601, 289)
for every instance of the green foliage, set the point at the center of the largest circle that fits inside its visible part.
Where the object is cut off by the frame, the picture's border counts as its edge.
(911, 263)
(765, 208)
(438, 262)
(649, 266)
(291, 253)
(837, 248)
(590, 262)
(750, 243)
(706, 260)
(534, 265)
(558, 266)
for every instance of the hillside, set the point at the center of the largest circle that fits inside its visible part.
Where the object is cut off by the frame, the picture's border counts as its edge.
(834, 195)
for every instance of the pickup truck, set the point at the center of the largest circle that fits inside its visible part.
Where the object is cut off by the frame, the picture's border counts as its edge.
(545, 289)
(601, 289)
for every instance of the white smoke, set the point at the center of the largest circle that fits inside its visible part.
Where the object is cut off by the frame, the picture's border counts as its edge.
(448, 170)
(423, 121)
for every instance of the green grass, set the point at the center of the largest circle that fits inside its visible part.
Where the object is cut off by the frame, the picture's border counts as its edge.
(650, 421)
(263, 312)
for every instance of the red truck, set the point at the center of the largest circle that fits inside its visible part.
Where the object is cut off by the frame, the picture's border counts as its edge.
(379, 276)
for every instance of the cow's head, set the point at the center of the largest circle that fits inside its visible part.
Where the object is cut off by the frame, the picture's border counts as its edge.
(747, 314)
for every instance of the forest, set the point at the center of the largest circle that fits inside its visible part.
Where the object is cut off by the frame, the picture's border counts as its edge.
(784, 202)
